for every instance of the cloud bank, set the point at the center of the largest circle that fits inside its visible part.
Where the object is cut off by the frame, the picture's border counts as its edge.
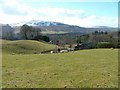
(12, 11)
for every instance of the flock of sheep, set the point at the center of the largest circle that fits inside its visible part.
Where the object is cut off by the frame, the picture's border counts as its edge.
(59, 51)
(45, 52)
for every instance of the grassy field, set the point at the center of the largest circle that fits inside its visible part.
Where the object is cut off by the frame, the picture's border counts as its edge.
(25, 46)
(94, 68)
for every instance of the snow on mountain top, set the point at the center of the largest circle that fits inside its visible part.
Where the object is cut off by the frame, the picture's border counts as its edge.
(37, 23)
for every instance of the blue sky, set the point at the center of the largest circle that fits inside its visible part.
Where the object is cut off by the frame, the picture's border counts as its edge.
(74, 12)
(98, 8)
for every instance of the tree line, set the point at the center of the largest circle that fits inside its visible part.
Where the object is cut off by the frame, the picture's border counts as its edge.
(96, 37)
(26, 33)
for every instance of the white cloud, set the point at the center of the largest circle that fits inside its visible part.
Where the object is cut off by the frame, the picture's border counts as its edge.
(12, 11)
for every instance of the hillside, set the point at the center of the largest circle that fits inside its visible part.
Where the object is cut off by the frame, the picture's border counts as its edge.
(25, 46)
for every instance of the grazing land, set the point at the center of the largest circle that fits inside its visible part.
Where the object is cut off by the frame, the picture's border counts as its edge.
(59, 45)
(25, 46)
(93, 68)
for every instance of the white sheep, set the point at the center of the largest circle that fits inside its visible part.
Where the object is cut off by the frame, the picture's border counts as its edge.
(51, 51)
(63, 51)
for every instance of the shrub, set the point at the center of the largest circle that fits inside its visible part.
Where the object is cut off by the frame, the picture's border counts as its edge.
(105, 45)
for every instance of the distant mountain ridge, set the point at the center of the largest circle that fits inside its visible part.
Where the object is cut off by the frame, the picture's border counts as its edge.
(58, 27)
(39, 23)
(5, 28)
(103, 27)
(49, 23)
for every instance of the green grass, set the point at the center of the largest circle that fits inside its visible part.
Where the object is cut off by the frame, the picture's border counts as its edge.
(25, 46)
(95, 68)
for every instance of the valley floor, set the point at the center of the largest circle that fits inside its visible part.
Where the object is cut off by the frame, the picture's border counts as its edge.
(93, 68)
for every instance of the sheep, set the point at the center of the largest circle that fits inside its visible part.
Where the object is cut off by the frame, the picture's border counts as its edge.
(51, 51)
(70, 49)
(63, 51)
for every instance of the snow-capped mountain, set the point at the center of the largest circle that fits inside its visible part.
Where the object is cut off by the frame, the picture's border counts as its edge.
(38, 23)
(58, 26)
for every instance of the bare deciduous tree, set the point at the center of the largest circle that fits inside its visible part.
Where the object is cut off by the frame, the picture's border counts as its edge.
(29, 32)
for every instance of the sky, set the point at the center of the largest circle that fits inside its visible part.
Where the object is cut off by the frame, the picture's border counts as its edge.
(74, 12)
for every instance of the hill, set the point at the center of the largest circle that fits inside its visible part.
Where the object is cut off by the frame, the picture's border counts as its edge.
(25, 46)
